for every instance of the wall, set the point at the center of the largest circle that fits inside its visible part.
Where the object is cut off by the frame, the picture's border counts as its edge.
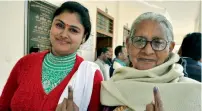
(11, 36)
(129, 11)
(197, 26)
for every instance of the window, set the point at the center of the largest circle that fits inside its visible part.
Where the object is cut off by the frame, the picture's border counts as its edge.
(105, 23)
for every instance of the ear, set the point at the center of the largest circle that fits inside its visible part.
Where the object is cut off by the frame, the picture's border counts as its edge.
(119, 54)
(171, 47)
(83, 40)
(127, 43)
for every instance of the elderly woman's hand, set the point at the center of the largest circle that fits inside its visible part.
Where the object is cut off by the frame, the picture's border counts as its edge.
(68, 104)
(157, 105)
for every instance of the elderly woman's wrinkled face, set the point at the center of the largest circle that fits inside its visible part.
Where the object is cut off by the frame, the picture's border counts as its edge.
(147, 58)
(66, 33)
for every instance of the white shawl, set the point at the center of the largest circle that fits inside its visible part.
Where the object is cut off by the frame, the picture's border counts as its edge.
(133, 88)
(82, 84)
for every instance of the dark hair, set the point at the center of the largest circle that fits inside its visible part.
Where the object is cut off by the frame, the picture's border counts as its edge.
(101, 50)
(34, 49)
(118, 50)
(75, 7)
(191, 46)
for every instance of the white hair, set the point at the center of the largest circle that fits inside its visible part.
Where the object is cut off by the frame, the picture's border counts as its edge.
(155, 17)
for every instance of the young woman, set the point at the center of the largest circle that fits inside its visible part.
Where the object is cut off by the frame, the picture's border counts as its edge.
(38, 80)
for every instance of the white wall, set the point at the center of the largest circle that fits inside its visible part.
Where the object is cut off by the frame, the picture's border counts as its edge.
(11, 36)
(129, 11)
(197, 24)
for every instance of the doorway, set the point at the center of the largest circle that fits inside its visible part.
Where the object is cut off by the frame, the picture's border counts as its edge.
(103, 41)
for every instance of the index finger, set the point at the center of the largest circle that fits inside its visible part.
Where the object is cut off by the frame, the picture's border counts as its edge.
(157, 99)
(69, 102)
(70, 93)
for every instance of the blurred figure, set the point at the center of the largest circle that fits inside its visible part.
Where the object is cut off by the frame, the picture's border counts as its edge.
(191, 56)
(102, 58)
(120, 60)
(109, 62)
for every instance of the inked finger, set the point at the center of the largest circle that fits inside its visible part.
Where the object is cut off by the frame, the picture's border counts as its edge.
(157, 98)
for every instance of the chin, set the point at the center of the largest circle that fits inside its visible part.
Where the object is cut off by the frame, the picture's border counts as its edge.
(61, 51)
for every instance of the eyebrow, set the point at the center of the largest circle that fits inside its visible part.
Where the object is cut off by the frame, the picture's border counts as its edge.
(73, 26)
(154, 37)
(141, 36)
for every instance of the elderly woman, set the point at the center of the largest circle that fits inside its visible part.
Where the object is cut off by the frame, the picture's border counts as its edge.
(39, 81)
(150, 48)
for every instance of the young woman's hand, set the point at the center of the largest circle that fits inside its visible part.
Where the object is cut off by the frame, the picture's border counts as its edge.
(68, 103)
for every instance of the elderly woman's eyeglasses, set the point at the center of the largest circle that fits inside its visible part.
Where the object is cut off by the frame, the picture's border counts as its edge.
(157, 44)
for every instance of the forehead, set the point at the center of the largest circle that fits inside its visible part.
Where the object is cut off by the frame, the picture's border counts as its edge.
(150, 29)
(70, 19)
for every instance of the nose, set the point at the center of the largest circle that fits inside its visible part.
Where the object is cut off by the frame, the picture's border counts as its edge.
(64, 33)
(148, 49)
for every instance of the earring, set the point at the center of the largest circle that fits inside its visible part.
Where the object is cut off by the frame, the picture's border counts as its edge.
(83, 40)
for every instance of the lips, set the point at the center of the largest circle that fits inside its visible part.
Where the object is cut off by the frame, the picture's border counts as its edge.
(62, 41)
(146, 60)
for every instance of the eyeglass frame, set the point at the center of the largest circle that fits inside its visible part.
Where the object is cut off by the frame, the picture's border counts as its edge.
(150, 42)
